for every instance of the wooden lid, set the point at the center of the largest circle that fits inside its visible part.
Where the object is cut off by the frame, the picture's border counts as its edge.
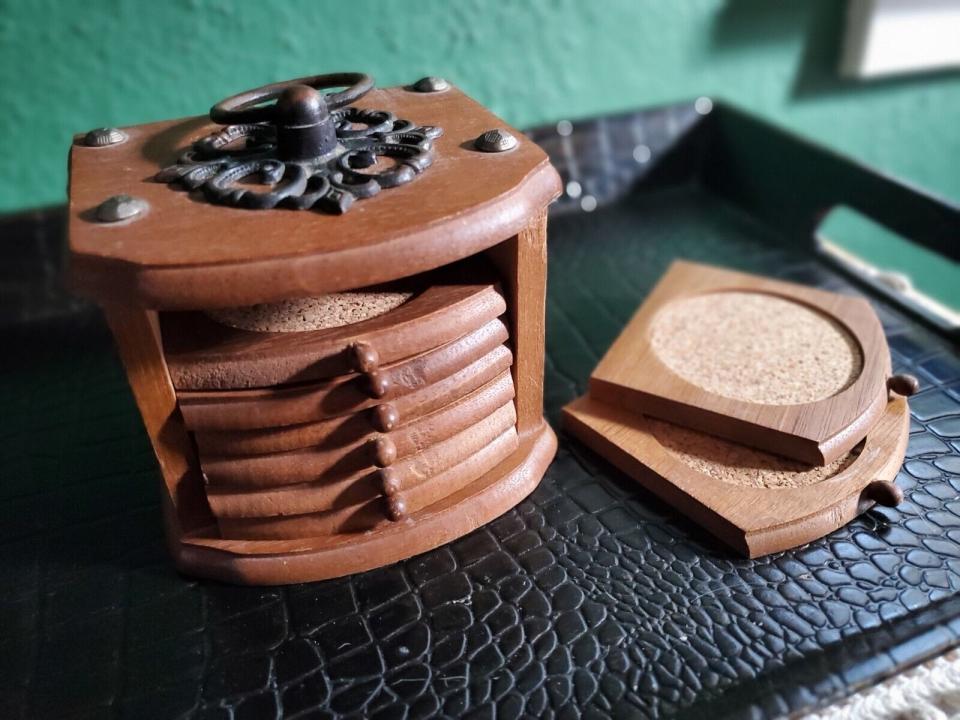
(185, 253)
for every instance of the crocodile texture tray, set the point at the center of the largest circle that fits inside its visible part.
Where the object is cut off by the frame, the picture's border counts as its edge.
(591, 598)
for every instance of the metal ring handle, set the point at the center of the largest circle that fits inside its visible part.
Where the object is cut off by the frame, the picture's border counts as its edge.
(241, 108)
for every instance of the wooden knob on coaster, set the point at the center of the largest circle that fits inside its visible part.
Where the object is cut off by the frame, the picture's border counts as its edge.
(396, 508)
(384, 452)
(883, 492)
(389, 481)
(905, 385)
(385, 417)
(378, 384)
(365, 358)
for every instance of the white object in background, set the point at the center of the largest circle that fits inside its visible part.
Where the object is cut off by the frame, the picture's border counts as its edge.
(927, 692)
(887, 37)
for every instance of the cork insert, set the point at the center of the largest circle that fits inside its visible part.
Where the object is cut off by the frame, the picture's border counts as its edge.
(738, 464)
(314, 313)
(756, 347)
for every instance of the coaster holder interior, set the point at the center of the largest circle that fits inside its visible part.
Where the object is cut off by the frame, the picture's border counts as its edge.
(288, 192)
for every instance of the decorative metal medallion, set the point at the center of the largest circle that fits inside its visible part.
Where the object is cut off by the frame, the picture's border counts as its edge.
(309, 149)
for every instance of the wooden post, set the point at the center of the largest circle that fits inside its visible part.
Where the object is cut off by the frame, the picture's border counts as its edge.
(522, 261)
(137, 333)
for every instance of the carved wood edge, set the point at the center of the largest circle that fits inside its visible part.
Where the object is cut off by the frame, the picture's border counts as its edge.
(280, 562)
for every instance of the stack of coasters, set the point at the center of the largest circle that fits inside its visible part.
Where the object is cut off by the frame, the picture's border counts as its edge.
(765, 411)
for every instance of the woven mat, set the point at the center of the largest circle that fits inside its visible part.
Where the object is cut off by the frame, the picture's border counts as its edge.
(927, 692)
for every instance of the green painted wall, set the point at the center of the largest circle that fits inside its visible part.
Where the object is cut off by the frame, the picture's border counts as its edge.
(69, 65)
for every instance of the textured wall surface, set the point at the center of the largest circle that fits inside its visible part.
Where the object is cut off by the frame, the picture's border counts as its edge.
(68, 66)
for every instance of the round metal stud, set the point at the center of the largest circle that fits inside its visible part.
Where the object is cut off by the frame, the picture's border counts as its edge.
(104, 137)
(430, 84)
(495, 141)
(121, 207)
(703, 105)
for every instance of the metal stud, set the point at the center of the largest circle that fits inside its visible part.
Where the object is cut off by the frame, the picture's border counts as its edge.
(495, 141)
(121, 207)
(430, 84)
(104, 137)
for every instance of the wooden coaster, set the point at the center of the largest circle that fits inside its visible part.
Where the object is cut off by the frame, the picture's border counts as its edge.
(721, 493)
(780, 367)
(756, 347)
(205, 355)
(314, 313)
(738, 464)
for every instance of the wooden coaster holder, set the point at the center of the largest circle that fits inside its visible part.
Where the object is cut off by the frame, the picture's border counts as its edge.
(288, 457)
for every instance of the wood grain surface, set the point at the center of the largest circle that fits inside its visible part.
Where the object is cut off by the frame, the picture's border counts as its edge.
(753, 521)
(185, 253)
(422, 381)
(278, 562)
(137, 335)
(264, 404)
(204, 355)
(329, 458)
(350, 489)
(522, 261)
(370, 515)
(632, 376)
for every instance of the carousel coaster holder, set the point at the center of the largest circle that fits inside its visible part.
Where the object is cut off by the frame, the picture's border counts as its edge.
(311, 453)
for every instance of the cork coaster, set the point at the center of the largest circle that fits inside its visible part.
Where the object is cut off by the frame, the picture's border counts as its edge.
(314, 313)
(738, 464)
(756, 347)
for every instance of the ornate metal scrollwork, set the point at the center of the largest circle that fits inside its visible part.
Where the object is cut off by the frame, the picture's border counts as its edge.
(309, 149)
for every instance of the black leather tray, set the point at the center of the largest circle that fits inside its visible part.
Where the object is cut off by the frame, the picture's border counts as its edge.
(592, 598)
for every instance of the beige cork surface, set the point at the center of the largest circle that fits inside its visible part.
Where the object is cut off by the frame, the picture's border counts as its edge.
(314, 313)
(738, 464)
(756, 347)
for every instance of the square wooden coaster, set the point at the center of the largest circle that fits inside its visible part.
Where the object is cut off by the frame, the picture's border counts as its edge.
(754, 521)
(780, 367)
